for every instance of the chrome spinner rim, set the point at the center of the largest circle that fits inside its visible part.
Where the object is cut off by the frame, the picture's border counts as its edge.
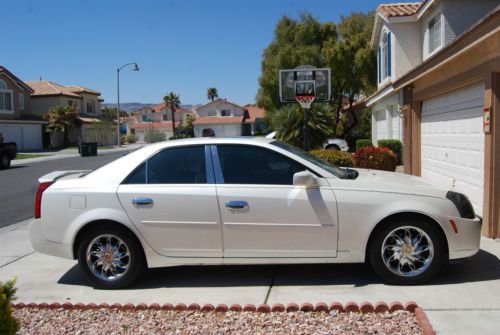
(108, 257)
(407, 251)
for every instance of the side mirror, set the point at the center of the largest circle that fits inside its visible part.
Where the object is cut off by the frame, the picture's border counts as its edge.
(304, 178)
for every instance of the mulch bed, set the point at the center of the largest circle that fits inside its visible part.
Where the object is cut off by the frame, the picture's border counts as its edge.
(35, 320)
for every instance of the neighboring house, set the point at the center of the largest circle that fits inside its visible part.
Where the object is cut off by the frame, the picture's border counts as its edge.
(156, 117)
(17, 122)
(225, 119)
(87, 102)
(438, 71)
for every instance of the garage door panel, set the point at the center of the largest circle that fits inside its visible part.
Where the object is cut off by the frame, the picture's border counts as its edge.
(452, 142)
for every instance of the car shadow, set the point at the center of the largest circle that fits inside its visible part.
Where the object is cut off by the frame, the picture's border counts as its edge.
(484, 266)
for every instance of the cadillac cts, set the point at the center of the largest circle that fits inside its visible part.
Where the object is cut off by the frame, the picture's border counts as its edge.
(247, 201)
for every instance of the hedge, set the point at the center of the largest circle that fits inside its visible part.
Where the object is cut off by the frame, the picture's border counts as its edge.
(363, 143)
(395, 145)
(338, 158)
(377, 158)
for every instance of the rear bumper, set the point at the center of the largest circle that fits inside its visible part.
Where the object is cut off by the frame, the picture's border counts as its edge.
(44, 246)
(466, 242)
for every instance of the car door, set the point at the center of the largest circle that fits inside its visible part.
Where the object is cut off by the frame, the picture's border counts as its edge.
(264, 214)
(171, 198)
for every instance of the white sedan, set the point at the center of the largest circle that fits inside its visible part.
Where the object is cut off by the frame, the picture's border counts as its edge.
(336, 144)
(247, 201)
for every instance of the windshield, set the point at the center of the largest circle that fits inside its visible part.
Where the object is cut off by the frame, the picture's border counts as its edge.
(335, 170)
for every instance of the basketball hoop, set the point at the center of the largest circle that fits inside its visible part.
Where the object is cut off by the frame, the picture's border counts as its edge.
(305, 101)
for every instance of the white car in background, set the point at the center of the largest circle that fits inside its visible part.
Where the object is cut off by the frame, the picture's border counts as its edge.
(337, 144)
(247, 201)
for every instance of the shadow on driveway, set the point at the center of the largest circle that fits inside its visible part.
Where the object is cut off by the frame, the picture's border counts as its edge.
(484, 266)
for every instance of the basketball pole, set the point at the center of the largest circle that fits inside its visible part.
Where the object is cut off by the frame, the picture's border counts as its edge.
(306, 129)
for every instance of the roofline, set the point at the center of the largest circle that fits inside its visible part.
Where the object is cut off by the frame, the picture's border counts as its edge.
(222, 100)
(16, 80)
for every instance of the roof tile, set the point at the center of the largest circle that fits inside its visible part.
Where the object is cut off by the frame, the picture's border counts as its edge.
(399, 9)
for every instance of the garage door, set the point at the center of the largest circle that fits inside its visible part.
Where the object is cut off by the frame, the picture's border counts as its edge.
(26, 136)
(453, 142)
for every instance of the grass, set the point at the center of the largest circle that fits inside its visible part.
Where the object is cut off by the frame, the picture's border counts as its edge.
(26, 156)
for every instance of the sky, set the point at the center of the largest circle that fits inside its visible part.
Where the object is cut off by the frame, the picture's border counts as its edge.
(183, 46)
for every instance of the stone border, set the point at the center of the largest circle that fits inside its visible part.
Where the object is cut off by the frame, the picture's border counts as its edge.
(364, 307)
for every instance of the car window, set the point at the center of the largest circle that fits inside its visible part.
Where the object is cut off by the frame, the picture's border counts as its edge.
(182, 165)
(253, 165)
(138, 176)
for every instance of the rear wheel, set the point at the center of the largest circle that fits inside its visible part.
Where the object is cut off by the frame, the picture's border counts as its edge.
(333, 147)
(407, 252)
(111, 257)
(4, 162)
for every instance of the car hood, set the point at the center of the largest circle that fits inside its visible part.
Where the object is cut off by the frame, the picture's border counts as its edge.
(389, 182)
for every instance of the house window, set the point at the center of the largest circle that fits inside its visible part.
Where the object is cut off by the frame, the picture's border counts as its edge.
(434, 30)
(90, 107)
(21, 101)
(6, 103)
(225, 112)
(385, 57)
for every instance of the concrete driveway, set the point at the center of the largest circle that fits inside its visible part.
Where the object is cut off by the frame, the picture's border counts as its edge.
(462, 300)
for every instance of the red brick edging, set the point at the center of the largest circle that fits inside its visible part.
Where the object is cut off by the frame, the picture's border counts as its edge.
(423, 322)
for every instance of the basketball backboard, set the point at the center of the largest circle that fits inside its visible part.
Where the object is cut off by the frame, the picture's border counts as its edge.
(304, 80)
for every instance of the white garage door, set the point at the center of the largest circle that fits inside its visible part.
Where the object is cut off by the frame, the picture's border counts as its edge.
(26, 136)
(453, 142)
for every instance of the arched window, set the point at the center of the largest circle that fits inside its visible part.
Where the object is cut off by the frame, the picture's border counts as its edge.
(6, 103)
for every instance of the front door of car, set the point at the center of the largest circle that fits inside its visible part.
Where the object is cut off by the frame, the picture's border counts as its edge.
(263, 214)
(171, 198)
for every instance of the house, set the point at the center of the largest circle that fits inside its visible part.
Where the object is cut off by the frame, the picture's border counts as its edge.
(156, 117)
(17, 122)
(222, 118)
(438, 90)
(87, 102)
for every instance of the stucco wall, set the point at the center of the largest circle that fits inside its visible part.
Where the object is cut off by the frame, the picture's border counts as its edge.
(92, 98)
(217, 108)
(16, 91)
(40, 105)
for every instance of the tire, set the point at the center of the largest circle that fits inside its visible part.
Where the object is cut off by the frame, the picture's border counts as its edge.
(135, 261)
(4, 162)
(333, 147)
(384, 250)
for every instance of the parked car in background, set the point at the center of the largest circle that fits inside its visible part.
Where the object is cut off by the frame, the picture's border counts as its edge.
(330, 144)
(247, 201)
(8, 152)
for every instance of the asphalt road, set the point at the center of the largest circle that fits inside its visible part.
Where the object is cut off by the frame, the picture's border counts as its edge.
(18, 184)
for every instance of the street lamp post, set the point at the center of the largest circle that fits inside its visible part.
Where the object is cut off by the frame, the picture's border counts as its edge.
(136, 68)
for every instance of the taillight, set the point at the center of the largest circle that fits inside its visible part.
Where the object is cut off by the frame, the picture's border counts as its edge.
(38, 203)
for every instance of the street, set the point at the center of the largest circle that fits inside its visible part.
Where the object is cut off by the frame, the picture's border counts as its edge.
(18, 184)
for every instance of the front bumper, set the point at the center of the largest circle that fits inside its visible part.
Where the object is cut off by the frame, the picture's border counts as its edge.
(466, 242)
(41, 244)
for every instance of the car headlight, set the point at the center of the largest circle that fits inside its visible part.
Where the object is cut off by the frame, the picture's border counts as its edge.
(462, 203)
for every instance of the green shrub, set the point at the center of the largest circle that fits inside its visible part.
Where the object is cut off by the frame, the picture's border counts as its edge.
(363, 143)
(395, 145)
(339, 158)
(377, 158)
(130, 138)
(8, 324)
(154, 135)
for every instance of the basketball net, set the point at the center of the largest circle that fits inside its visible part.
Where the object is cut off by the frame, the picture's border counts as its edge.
(305, 101)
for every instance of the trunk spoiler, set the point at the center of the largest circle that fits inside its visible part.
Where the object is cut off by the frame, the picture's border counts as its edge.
(55, 175)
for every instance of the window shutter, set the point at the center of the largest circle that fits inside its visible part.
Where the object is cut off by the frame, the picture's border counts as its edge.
(379, 65)
(389, 54)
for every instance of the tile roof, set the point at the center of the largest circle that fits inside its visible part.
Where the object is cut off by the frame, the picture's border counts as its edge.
(159, 107)
(47, 88)
(219, 101)
(255, 113)
(399, 9)
(81, 89)
(143, 125)
(14, 78)
(218, 120)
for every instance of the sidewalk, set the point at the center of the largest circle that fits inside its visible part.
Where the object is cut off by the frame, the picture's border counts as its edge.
(70, 153)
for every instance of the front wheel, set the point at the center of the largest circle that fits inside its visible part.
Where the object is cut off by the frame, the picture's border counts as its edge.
(409, 252)
(110, 258)
(4, 162)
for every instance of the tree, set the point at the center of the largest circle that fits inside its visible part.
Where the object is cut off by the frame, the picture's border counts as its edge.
(212, 93)
(62, 118)
(109, 114)
(188, 125)
(100, 131)
(306, 41)
(172, 102)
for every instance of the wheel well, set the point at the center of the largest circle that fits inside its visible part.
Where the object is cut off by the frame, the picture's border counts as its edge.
(403, 216)
(89, 226)
(330, 146)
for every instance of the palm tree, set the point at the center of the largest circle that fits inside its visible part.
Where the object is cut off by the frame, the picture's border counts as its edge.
(212, 93)
(62, 118)
(172, 102)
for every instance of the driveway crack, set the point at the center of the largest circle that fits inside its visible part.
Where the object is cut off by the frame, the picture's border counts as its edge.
(271, 284)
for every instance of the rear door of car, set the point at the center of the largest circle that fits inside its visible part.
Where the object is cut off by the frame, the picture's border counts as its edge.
(171, 198)
(263, 214)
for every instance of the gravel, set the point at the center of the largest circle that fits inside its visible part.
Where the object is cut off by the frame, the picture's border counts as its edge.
(110, 321)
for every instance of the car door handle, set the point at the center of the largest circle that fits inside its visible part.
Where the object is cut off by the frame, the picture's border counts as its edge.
(237, 204)
(142, 201)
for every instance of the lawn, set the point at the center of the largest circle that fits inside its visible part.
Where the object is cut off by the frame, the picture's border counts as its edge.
(25, 156)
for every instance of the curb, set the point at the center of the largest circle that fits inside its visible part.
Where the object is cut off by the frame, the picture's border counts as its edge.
(364, 307)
